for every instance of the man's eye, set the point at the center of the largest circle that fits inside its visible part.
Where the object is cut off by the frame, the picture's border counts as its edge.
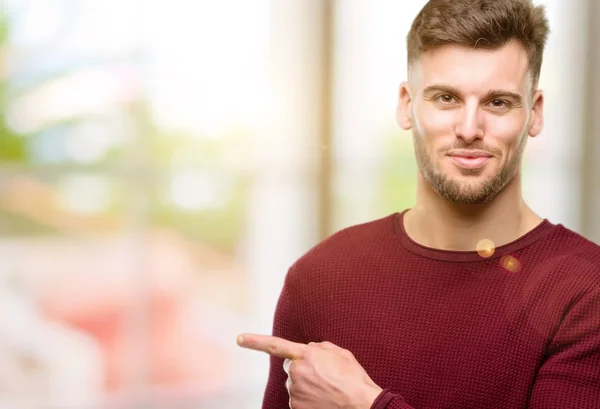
(499, 103)
(446, 99)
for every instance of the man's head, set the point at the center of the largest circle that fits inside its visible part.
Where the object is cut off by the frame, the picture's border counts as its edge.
(472, 98)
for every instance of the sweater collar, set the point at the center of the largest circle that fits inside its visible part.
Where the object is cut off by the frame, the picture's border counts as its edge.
(409, 244)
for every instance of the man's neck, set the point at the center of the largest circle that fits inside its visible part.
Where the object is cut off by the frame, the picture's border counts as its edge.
(437, 223)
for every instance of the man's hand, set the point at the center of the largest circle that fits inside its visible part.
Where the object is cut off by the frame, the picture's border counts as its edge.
(320, 375)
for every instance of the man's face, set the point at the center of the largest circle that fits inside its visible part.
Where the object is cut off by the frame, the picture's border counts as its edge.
(471, 112)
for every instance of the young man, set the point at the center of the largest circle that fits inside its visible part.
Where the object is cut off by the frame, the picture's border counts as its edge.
(469, 299)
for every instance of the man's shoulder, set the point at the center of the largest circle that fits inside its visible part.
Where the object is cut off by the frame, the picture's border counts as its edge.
(574, 243)
(351, 241)
(574, 253)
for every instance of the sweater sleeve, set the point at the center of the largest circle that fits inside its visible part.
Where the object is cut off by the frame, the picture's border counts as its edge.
(389, 400)
(285, 325)
(570, 375)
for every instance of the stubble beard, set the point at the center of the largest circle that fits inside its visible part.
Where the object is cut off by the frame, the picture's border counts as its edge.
(461, 192)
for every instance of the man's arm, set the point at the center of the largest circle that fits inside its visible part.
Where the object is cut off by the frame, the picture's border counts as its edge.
(570, 376)
(285, 326)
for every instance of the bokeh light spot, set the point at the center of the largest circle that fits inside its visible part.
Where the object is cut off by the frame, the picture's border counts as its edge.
(486, 248)
(510, 264)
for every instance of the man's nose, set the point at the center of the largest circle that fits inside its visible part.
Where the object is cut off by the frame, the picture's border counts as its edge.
(469, 123)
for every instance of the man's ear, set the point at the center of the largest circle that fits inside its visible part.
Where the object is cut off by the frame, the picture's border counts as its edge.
(536, 120)
(404, 111)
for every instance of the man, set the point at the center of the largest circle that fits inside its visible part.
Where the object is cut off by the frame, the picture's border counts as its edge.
(469, 299)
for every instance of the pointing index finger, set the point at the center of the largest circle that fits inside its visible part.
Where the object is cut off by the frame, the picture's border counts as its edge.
(275, 346)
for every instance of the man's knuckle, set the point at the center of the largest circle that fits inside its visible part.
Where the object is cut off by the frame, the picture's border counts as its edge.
(298, 370)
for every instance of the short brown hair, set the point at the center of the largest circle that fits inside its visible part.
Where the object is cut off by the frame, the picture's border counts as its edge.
(480, 24)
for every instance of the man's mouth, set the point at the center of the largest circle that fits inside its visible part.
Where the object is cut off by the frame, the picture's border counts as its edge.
(469, 159)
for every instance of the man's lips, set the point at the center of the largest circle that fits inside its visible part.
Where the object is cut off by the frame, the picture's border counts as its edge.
(469, 159)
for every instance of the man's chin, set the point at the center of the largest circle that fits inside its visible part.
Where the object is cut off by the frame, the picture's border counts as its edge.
(469, 200)
(465, 195)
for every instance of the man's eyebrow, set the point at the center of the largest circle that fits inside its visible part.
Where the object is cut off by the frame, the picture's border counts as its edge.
(492, 94)
(441, 88)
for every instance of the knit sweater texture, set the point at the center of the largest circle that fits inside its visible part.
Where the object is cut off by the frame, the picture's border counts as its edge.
(450, 329)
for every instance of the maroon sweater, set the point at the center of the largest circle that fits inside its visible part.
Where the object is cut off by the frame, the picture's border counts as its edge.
(449, 329)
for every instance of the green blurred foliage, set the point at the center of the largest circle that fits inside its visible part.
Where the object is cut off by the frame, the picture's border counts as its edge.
(12, 146)
(223, 158)
(398, 174)
(220, 158)
(220, 228)
(162, 153)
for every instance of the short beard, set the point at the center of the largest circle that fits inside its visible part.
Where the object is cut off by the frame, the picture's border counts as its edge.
(461, 193)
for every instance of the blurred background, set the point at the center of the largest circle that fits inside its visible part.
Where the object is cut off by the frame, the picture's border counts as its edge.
(163, 163)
